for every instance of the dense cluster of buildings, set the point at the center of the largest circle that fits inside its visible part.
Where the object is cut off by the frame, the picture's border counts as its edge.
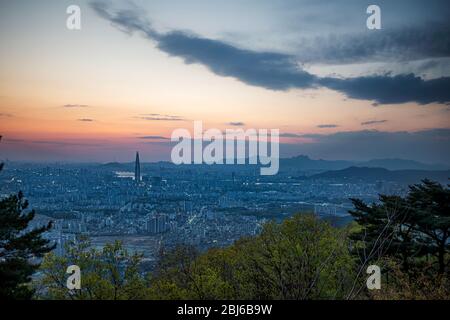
(204, 206)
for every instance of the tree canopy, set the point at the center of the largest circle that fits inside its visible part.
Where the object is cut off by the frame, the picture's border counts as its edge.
(416, 226)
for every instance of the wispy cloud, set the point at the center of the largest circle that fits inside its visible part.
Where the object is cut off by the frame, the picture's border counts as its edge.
(323, 126)
(160, 117)
(86, 120)
(6, 115)
(153, 138)
(275, 71)
(290, 135)
(236, 123)
(370, 122)
(75, 106)
(55, 143)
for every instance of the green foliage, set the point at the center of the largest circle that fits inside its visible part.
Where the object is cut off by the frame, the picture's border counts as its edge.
(108, 274)
(424, 285)
(302, 258)
(20, 247)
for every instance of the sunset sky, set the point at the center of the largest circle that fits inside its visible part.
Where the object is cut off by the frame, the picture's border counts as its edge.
(137, 70)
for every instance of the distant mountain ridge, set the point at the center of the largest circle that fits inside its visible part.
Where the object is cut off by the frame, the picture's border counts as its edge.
(303, 162)
(366, 174)
(402, 164)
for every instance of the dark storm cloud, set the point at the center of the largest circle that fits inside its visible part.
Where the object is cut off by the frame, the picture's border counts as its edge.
(276, 71)
(263, 69)
(387, 89)
(370, 122)
(427, 145)
(399, 44)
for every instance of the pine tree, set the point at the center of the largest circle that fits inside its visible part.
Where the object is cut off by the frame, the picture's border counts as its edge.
(406, 228)
(388, 229)
(431, 204)
(20, 247)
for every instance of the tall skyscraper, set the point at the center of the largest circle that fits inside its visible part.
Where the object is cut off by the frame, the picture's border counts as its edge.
(137, 169)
